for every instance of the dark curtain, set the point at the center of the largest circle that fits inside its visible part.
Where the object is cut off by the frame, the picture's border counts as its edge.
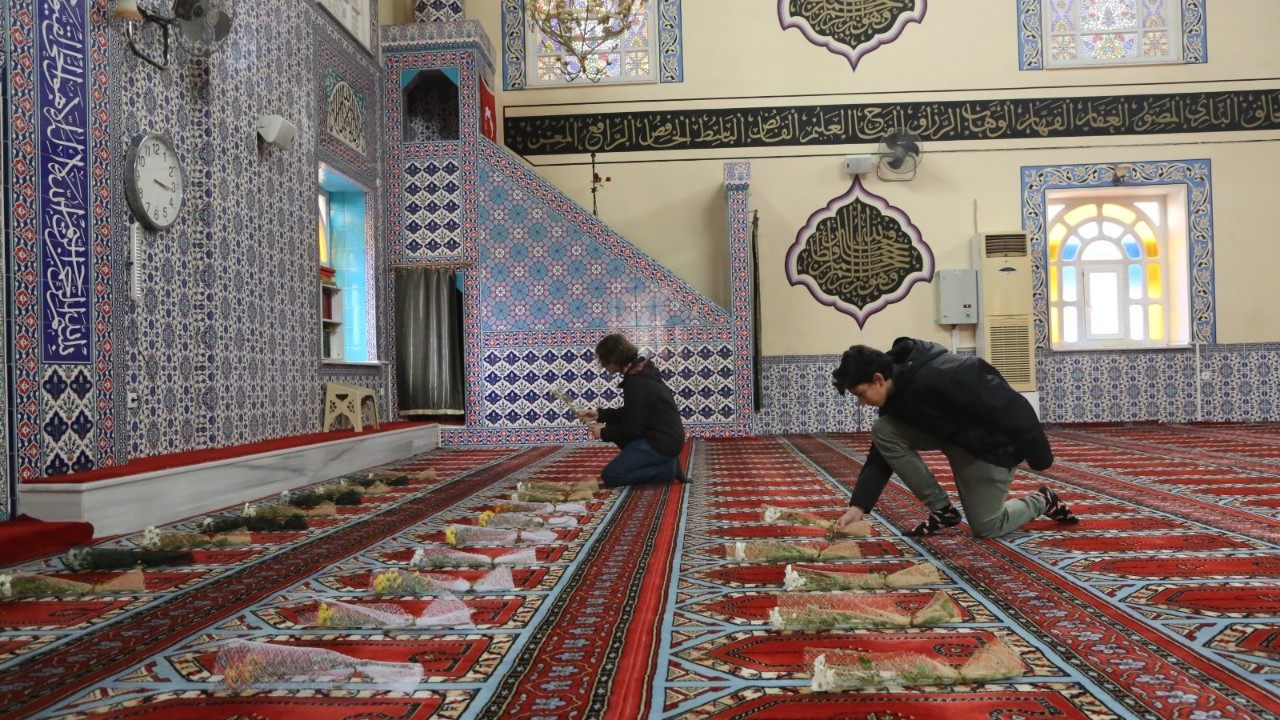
(429, 341)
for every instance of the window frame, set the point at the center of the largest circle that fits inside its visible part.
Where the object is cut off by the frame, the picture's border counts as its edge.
(331, 183)
(1173, 261)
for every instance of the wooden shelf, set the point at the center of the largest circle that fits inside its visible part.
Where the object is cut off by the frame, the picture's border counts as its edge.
(330, 322)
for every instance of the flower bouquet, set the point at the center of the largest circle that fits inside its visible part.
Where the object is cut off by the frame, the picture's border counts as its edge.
(394, 581)
(214, 525)
(324, 509)
(839, 610)
(244, 664)
(835, 669)
(472, 535)
(540, 508)
(338, 614)
(153, 539)
(524, 520)
(445, 611)
(100, 558)
(448, 557)
(785, 551)
(799, 577)
(32, 585)
(556, 492)
(789, 516)
(336, 494)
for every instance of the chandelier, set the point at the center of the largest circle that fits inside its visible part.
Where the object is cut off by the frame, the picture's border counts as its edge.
(583, 32)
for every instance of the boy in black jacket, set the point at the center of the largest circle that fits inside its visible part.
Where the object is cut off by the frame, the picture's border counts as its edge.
(932, 399)
(647, 428)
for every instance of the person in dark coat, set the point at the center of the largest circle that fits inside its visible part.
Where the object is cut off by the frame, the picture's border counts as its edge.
(932, 399)
(647, 428)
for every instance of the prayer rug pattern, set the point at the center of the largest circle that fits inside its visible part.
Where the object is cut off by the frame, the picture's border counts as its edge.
(1163, 602)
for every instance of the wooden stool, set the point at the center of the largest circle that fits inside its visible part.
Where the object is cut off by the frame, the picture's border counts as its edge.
(356, 404)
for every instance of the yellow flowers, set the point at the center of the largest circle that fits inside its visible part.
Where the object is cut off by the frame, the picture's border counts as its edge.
(384, 583)
(451, 534)
(324, 615)
(484, 518)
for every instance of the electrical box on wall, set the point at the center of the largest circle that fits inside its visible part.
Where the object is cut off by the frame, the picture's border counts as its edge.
(957, 296)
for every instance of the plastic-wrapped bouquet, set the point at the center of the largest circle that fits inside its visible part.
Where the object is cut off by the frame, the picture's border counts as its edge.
(489, 518)
(541, 508)
(154, 539)
(835, 669)
(228, 523)
(324, 509)
(475, 535)
(789, 516)
(32, 585)
(838, 610)
(100, 558)
(443, 611)
(799, 577)
(245, 665)
(395, 581)
(448, 557)
(784, 551)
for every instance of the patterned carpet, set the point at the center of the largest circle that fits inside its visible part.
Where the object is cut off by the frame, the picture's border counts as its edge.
(1164, 602)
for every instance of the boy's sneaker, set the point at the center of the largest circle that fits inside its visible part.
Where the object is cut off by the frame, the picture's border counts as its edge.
(1054, 508)
(947, 517)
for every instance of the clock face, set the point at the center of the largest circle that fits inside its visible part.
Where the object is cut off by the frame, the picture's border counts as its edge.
(155, 185)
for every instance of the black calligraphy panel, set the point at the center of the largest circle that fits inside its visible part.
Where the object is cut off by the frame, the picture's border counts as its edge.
(852, 23)
(942, 121)
(859, 254)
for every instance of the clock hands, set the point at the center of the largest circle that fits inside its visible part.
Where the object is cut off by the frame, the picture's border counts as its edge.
(166, 187)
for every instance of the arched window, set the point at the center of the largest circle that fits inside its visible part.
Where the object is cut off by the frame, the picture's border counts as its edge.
(1117, 268)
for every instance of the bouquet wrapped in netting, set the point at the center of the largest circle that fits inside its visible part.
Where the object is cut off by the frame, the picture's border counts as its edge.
(799, 577)
(335, 494)
(324, 509)
(586, 482)
(489, 518)
(788, 551)
(101, 558)
(541, 508)
(395, 581)
(547, 496)
(32, 585)
(848, 669)
(245, 665)
(228, 523)
(789, 516)
(476, 535)
(444, 611)
(154, 539)
(338, 614)
(448, 557)
(839, 610)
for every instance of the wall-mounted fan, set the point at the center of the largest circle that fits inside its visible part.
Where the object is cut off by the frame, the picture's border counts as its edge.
(202, 26)
(899, 155)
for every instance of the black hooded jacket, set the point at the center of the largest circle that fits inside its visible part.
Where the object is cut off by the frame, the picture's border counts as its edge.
(648, 411)
(958, 399)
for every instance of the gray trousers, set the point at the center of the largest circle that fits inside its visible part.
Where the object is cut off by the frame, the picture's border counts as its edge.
(983, 487)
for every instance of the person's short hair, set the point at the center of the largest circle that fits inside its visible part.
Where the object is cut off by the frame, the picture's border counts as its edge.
(859, 364)
(616, 349)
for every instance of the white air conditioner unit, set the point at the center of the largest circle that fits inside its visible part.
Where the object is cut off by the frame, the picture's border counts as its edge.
(1006, 329)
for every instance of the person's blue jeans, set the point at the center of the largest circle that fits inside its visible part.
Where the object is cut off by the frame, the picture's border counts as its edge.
(638, 463)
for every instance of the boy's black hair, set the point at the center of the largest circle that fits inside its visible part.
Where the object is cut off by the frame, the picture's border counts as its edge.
(616, 349)
(859, 364)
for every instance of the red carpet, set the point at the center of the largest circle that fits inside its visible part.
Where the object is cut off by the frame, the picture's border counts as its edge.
(1161, 603)
(23, 538)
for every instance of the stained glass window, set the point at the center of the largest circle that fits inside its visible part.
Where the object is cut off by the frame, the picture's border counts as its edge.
(1109, 32)
(628, 57)
(1117, 272)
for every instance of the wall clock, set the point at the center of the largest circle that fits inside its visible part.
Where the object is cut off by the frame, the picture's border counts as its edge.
(154, 182)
